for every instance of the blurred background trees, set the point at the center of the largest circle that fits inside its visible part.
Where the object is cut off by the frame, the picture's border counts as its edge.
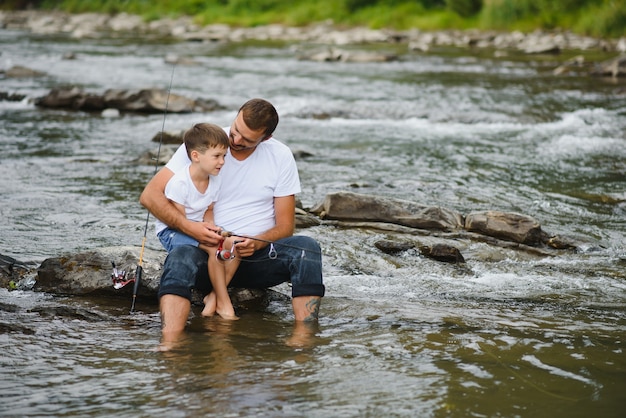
(601, 18)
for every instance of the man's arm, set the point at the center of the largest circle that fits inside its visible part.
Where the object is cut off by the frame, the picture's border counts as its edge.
(284, 209)
(285, 212)
(179, 207)
(153, 198)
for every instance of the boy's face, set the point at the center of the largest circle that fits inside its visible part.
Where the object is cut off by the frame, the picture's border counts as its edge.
(211, 160)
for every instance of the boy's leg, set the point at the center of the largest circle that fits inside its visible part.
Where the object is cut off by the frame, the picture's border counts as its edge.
(217, 273)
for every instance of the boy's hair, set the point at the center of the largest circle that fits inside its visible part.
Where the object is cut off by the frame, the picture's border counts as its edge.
(203, 136)
(260, 114)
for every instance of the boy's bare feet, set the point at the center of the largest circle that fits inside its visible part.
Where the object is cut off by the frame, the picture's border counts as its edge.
(210, 304)
(228, 314)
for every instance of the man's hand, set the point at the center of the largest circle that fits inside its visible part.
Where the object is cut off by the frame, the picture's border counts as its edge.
(204, 232)
(245, 247)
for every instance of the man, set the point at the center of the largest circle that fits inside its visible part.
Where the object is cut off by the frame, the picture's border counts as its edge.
(259, 183)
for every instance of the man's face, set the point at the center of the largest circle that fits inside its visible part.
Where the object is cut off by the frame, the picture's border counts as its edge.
(242, 138)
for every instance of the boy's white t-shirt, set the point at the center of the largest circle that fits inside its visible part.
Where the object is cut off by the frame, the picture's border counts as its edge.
(246, 199)
(180, 189)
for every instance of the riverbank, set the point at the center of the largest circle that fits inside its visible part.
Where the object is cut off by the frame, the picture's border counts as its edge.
(93, 25)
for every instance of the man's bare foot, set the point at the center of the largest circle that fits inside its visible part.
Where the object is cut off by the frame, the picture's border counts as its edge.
(210, 304)
(170, 341)
(303, 334)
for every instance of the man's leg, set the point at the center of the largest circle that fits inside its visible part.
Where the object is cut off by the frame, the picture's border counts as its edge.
(185, 268)
(174, 313)
(307, 287)
(298, 261)
(306, 308)
(303, 334)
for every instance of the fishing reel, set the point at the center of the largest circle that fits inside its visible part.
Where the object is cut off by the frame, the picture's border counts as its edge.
(119, 277)
(224, 254)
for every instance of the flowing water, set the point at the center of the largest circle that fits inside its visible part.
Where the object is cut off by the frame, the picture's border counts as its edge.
(509, 334)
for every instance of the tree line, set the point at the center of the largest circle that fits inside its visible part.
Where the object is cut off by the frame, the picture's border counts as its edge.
(598, 18)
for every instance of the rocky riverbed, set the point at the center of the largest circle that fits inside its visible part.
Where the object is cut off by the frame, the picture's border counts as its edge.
(325, 41)
(439, 231)
(91, 25)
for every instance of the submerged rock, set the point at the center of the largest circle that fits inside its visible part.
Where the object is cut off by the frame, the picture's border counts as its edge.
(443, 252)
(615, 67)
(507, 226)
(90, 273)
(142, 101)
(360, 207)
(19, 71)
(393, 247)
(14, 272)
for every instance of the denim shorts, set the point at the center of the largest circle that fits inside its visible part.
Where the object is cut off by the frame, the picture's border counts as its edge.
(297, 259)
(171, 238)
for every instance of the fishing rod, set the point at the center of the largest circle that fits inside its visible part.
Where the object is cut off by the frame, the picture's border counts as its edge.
(139, 271)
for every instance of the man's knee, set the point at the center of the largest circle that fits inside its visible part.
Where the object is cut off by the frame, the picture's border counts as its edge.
(308, 279)
(306, 243)
(181, 270)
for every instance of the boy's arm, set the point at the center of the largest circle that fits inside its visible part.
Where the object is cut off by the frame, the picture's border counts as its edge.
(208, 215)
(153, 198)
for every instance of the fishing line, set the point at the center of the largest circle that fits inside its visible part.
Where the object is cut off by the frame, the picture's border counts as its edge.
(263, 260)
(139, 270)
(227, 234)
(272, 252)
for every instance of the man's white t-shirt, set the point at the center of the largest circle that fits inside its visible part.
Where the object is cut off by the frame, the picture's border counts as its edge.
(245, 204)
(180, 189)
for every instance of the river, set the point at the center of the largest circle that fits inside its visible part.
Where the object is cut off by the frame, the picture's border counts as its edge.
(511, 334)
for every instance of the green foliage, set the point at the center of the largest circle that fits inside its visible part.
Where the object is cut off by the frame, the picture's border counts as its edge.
(500, 13)
(253, 6)
(20, 4)
(306, 12)
(354, 5)
(608, 20)
(593, 17)
(465, 8)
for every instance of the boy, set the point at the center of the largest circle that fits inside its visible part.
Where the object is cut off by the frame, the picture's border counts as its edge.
(193, 191)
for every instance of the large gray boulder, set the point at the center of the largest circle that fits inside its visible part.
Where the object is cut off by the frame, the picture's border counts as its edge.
(615, 67)
(350, 206)
(142, 100)
(90, 272)
(508, 226)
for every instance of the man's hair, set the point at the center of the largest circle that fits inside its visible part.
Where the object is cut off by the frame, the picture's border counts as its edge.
(203, 136)
(260, 114)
